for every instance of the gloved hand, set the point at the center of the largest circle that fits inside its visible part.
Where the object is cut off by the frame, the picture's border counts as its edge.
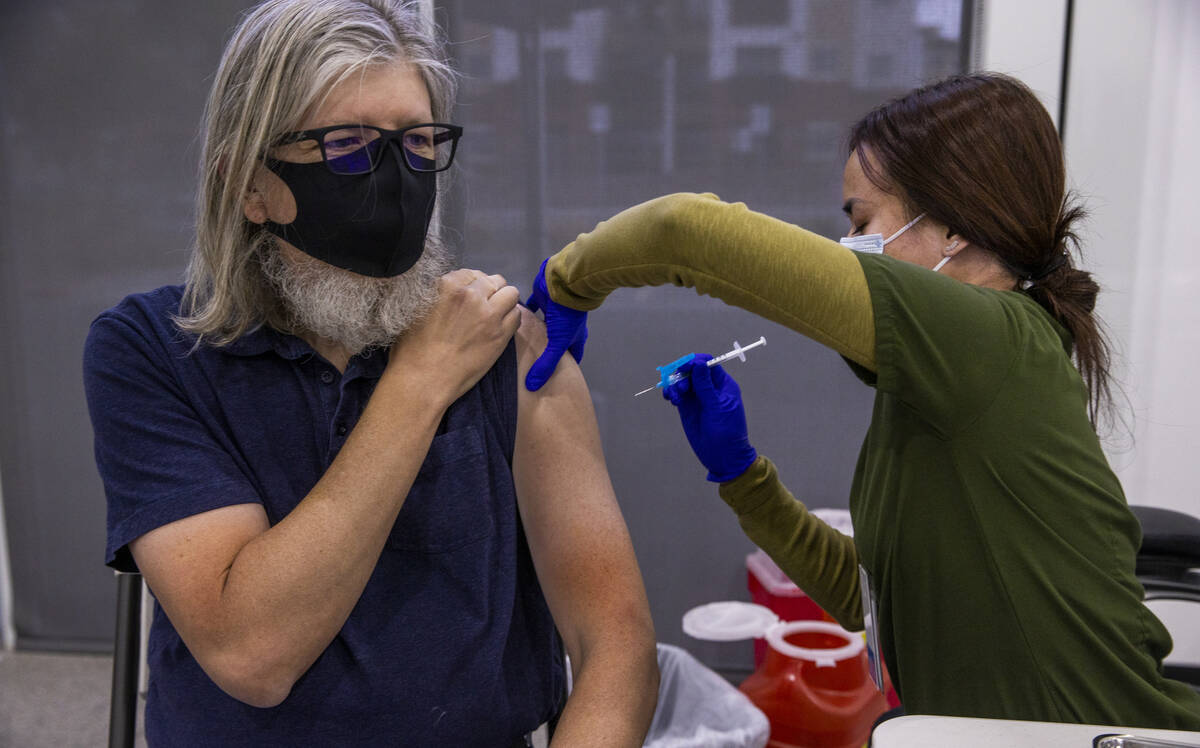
(565, 327)
(710, 407)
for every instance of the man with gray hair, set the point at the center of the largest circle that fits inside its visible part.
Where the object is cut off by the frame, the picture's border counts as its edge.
(359, 529)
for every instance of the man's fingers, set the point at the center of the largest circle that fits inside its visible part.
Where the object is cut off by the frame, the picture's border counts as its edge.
(506, 297)
(472, 277)
(511, 321)
(482, 282)
(462, 276)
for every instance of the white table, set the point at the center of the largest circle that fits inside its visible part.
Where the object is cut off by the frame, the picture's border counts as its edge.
(954, 732)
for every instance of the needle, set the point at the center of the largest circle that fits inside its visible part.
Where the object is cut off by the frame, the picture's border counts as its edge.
(669, 372)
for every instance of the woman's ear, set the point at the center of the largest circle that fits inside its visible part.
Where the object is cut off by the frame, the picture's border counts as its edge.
(954, 244)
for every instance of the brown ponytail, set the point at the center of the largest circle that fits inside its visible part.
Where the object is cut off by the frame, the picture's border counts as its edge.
(1069, 294)
(980, 154)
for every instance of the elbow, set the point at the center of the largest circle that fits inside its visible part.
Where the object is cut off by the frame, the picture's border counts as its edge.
(647, 676)
(257, 679)
(644, 649)
(683, 223)
(631, 650)
(676, 214)
(258, 695)
(652, 677)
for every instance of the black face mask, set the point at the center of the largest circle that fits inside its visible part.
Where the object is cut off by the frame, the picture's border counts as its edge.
(371, 224)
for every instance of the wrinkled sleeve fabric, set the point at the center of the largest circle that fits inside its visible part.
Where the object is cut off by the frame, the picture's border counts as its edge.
(157, 458)
(777, 270)
(821, 561)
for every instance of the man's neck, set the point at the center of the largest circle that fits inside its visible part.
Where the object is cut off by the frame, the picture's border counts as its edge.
(333, 352)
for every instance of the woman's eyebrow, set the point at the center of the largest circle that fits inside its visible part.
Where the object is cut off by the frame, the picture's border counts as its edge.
(848, 206)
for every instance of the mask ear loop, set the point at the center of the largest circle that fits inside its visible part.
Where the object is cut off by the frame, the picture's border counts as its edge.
(904, 228)
(946, 259)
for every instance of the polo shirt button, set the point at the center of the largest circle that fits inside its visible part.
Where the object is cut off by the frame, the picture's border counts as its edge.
(341, 430)
(327, 377)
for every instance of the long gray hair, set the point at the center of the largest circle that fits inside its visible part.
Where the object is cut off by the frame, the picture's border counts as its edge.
(282, 61)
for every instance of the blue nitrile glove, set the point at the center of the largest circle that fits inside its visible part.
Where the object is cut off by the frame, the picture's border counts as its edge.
(566, 329)
(710, 407)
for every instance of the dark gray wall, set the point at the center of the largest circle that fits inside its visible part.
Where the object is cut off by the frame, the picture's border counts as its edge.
(101, 104)
(101, 112)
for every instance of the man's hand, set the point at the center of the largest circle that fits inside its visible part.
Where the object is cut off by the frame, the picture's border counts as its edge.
(462, 336)
(566, 329)
(710, 408)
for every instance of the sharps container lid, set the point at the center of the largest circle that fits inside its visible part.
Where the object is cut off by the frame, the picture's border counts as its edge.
(728, 621)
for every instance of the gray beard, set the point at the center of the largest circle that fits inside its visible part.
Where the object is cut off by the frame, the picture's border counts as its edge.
(355, 311)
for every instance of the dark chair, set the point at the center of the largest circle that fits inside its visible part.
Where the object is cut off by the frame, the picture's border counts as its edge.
(122, 719)
(1168, 566)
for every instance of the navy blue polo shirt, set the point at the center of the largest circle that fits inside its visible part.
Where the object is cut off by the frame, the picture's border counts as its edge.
(451, 642)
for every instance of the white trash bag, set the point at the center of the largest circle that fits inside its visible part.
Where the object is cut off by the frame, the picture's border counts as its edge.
(699, 709)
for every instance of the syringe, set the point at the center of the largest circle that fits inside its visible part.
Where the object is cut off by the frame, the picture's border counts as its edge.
(669, 372)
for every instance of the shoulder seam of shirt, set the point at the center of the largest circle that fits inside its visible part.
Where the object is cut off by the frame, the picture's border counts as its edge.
(883, 308)
(1021, 352)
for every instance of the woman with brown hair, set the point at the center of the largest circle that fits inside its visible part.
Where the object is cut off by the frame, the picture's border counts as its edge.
(994, 540)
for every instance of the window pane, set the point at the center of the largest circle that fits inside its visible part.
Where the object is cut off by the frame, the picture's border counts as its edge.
(575, 110)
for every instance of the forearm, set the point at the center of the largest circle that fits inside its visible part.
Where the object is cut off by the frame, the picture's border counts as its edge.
(774, 269)
(819, 559)
(288, 591)
(615, 690)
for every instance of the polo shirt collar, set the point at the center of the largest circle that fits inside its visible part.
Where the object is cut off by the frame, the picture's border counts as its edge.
(264, 339)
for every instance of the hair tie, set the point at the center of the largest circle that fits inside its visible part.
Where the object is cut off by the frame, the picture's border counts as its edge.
(1062, 258)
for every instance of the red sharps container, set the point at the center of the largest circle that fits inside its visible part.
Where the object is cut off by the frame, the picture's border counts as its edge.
(813, 685)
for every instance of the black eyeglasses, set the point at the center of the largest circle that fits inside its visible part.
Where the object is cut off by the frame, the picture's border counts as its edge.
(358, 149)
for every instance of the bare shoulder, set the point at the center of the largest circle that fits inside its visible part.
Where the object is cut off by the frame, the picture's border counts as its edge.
(531, 338)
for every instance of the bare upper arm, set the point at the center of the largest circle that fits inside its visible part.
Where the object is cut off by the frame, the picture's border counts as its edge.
(580, 545)
(185, 562)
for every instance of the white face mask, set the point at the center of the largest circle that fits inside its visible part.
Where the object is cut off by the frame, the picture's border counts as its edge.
(874, 243)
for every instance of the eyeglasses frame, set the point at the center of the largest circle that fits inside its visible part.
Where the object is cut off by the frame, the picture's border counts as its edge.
(453, 133)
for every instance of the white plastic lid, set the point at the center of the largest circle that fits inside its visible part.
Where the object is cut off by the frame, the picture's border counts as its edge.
(770, 576)
(728, 621)
(838, 519)
(826, 657)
